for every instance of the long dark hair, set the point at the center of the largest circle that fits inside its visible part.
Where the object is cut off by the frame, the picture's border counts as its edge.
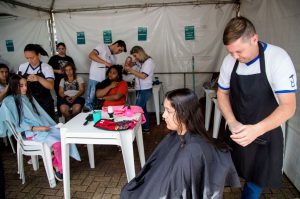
(188, 112)
(14, 90)
(73, 68)
(38, 49)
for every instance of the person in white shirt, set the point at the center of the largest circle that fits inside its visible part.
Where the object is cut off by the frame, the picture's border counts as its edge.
(40, 77)
(143, 79)
(256, 94)
(103, 56)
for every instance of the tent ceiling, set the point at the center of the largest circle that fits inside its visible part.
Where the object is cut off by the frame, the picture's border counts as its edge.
(80, 5)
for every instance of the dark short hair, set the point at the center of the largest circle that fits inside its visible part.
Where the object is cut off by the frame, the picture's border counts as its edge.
(121, 43)
(4, 66)
(236, 28)
(60, 44)
(119, 69)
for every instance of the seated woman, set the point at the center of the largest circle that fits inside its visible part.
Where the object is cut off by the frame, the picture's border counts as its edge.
(71, 88)
(22, 110)
(4, 71)
(187, 163)
(113, 90)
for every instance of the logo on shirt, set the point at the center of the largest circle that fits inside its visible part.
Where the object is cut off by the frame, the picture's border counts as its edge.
(292, 80)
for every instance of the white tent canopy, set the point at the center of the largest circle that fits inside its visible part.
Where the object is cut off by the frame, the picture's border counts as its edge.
(165, 26)
(277, 22)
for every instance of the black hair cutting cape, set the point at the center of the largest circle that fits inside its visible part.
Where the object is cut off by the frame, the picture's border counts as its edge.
(193, 170)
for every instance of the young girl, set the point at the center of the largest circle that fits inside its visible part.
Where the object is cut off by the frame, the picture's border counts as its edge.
(187, 163)
(71, 89)
(21, 109)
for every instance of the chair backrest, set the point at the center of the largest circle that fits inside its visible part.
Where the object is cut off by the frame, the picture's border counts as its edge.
(26, 145)
(12, 129)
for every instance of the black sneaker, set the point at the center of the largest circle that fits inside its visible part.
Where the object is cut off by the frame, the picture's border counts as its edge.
(86, 109)
(146, 131)
(58, 176)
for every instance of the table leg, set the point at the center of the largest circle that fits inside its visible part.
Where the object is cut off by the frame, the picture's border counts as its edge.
(66, 168)
(90, 148)
(156, 104)
(140, 145)
(127, 152)
(217, 119)
(208, 107)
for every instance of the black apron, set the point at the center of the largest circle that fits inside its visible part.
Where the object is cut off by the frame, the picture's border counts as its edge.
(40, 93)
(252, 100)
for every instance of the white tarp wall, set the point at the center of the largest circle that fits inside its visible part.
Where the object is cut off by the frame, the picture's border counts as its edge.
(29, 27)
(165, 42)
(278, 22)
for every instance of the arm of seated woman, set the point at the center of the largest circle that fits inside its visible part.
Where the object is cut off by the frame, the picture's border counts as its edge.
(103, 92)
(116, 96)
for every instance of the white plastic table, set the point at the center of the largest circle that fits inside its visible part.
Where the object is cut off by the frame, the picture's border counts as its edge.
(155, 92)
(75, 132)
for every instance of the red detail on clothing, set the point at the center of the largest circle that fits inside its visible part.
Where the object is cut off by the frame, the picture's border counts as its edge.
(121, 88)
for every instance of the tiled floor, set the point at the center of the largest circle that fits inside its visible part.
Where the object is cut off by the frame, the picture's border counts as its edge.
(106, 180)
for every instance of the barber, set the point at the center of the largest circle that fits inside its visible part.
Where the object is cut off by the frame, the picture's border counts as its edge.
(256, 95)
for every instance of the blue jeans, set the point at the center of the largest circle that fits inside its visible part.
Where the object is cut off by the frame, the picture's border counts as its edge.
(251, 191)
(91, 94)
(142, 96)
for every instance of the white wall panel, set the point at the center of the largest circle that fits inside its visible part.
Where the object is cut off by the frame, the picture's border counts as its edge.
(166, 42)
(22, 31)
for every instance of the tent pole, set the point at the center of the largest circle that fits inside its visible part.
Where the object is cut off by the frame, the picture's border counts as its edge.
(193, 71)
(51, 28)
(148, 5)
(51, 31)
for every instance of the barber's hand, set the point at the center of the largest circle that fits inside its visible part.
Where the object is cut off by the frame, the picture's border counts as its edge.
(245, 137)
(32, 78)
(127, 68)
(113, 84)
(41, 128)
(235, 127)
(108, 64)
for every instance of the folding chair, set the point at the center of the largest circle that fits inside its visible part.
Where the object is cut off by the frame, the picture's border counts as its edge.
(33, 149)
